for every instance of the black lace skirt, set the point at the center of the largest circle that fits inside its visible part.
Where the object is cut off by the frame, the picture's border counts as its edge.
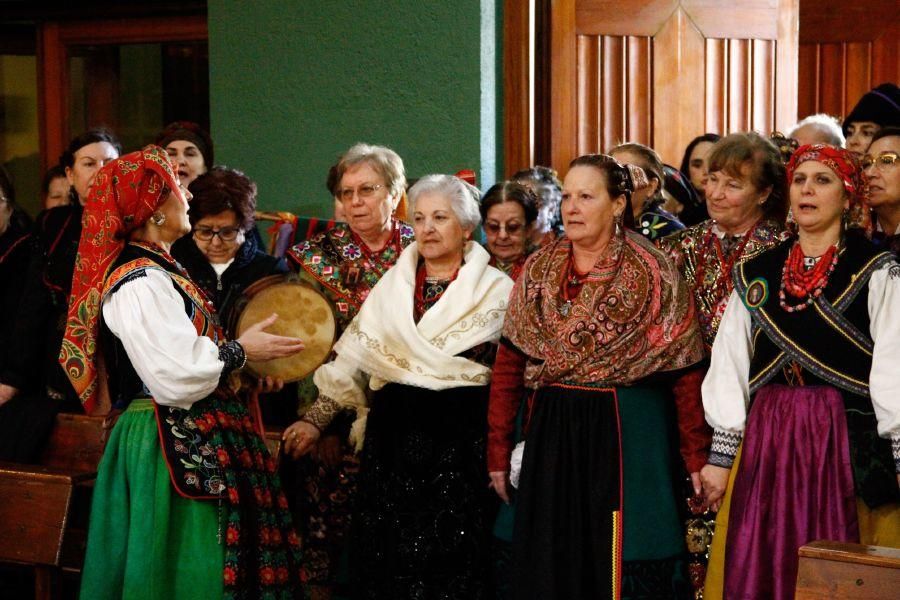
(423, 513)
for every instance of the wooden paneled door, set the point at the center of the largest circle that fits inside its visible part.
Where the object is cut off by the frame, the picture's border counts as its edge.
(661, 72)
(845, 50)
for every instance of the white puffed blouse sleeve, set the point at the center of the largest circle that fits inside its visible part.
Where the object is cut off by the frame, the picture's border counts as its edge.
(884, 378)
(341, 386)
(177, 365)
(726, 387)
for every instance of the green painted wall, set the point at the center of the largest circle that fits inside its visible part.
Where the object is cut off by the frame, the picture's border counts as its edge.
(295, 83)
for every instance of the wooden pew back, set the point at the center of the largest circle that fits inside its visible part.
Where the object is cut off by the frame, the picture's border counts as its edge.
(837, 570)
(38, 500)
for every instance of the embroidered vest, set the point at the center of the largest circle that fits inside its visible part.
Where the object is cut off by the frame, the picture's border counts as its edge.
(191, 459)
(830, 341)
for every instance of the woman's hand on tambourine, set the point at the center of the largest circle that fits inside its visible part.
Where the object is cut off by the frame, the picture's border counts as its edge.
(260, 346)
(500, 484)
(299, 438)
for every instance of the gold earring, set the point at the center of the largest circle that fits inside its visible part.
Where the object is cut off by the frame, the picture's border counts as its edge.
(158, 218)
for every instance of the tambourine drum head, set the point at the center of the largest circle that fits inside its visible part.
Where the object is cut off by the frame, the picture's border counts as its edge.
(302, 312)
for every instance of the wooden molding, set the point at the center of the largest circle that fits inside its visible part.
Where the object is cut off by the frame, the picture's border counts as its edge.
(53, 87)
(614, 17)
(516, 87)
(54, 39)
(134, 31)
(786, 61)
(563, 73)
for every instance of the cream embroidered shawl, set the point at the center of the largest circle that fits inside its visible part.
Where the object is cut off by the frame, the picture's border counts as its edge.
(385, 343)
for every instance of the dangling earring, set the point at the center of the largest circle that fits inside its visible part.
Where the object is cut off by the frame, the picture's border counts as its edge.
(158, 218)
(618, 221)
(845, 219)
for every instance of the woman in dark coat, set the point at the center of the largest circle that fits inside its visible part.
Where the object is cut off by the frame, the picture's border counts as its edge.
(33, 387)
(224, 260)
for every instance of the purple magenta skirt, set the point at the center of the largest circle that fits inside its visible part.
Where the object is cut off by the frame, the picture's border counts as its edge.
(794, 485)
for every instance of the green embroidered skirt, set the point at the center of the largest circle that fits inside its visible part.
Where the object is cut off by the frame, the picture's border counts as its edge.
(146, 541)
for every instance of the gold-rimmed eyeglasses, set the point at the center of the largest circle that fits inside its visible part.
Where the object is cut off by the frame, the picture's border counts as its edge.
(882, 161)
(365, 191)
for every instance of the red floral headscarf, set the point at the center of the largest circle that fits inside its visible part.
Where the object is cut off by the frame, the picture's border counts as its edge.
(846, 166)
(124, 195)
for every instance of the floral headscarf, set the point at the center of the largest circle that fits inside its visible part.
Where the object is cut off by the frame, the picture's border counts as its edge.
(846, 166)
(124, 195)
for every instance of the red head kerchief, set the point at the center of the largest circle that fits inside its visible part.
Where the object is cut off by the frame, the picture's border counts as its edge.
(846, 166)
(123, 196)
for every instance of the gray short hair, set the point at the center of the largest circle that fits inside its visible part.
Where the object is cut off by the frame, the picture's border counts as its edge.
(462, 196)
(385, 161)
(826, 124)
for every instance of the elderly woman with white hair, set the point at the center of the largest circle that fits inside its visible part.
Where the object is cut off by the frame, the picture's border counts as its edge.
(818, 129)
(415, 367)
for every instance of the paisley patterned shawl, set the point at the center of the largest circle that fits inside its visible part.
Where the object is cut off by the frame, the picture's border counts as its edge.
(633, 317)
(330, 256)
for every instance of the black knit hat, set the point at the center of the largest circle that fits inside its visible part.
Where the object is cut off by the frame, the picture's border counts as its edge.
(190, 132)
(880, 105)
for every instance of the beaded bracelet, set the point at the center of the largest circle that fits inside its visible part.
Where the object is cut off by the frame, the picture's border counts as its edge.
(233, 355)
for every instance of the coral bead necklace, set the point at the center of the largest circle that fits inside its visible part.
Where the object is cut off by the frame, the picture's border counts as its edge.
(804, 284)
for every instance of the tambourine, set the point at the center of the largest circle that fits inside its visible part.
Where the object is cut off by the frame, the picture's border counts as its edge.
(303, 312)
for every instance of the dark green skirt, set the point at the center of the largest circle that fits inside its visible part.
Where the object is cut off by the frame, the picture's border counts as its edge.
(146, 541)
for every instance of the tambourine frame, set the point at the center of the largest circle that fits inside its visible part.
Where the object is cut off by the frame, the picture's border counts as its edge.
(235, 322)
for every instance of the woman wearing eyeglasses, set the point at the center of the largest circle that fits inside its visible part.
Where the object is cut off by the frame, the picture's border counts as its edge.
(509, 211)
(803, 381)
(224, 260)
(218, 254)
(881, 168)
(344, 263)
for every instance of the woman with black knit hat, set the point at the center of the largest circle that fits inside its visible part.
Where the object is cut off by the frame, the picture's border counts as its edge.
(879, 107)
(190, 148)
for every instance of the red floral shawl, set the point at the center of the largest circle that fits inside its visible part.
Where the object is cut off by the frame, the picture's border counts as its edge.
(633, 317)
(123, 196)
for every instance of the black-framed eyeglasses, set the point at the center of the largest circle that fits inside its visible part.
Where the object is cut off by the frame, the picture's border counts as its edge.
(226, 234)
(882, 161)
(365, 191)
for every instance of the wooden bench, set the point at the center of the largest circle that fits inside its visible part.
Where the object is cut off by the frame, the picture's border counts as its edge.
(837, 570)
(45, 508)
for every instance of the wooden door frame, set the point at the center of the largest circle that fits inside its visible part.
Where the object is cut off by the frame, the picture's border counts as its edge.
(517, 125)
(54, 40)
